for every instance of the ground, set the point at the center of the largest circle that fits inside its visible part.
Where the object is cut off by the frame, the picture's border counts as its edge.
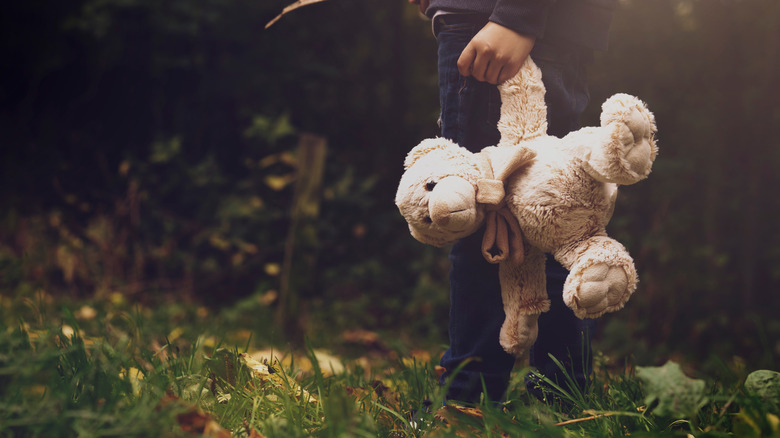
(98, 367)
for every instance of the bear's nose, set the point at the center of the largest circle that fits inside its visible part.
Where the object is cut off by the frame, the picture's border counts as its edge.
(452, 204)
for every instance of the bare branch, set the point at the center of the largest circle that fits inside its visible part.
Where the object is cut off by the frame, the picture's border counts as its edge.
(290, 8)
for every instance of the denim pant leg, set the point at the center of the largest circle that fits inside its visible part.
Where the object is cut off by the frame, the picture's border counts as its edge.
(470, 111)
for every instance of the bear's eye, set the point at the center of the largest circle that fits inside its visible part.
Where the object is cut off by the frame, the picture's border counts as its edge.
(430, 185)
(427, 220)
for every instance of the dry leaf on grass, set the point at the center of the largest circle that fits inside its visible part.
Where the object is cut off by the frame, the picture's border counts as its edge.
(379, 394)
(265, 373)
(329, 364)
(194, 420)
(462, 421)
(367, 339)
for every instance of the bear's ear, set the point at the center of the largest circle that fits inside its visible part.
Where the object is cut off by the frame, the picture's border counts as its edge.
(426, 146)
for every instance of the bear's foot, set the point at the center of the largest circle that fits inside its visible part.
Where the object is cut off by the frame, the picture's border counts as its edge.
(602, 289)
(601, 279)
(518, 334)
(628, 150)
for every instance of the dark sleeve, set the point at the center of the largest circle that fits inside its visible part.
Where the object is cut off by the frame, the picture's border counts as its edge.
(528, 17)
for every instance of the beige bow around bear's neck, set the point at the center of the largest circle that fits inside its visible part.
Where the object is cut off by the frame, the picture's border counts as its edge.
(503, 237)
(523, 117)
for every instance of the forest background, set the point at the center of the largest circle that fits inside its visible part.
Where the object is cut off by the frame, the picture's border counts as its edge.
(156, 150)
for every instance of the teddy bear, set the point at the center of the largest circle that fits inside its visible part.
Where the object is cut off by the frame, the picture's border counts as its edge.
(536, 194)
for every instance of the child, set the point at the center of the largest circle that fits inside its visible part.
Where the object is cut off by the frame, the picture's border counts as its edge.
(483, 43)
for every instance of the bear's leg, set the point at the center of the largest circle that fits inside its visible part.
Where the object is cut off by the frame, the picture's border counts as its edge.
(623, 149)
(525, 297)
(601, 279)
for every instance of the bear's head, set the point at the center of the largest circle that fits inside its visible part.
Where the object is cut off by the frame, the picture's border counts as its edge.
(446, 189)
(437, 192)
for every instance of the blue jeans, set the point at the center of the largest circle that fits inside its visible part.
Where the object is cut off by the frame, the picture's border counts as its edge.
(469, 117)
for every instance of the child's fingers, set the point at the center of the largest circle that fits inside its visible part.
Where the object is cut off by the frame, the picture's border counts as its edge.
(466, 60)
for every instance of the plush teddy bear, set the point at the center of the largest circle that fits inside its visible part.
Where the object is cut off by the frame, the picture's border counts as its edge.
(536, 194)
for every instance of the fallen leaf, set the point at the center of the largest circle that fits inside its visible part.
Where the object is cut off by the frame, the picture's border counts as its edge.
(418, 357)
(449, 412)
(271, 356)
(195, 420)
(68, 331)
(273, 374)
(765, 384)
(379, 394)
(329, 364)
(677, 395)
(86, 313)
(214, 430)
(135, 376)
(255, 434)
(175, 334)
(461, 421)
(753, 424)
(367, 339)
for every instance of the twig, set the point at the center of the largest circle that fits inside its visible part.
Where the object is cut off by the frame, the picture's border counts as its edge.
(290, 8)
(579, 420)
(595, 415)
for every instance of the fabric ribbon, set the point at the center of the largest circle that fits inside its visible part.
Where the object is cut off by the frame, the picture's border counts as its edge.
(503, 237)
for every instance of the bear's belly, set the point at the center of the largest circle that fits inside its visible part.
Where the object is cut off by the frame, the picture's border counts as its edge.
(552, 214)
(550, 228)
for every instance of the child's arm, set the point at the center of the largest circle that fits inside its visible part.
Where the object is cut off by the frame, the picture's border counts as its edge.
(495, 54)
(498, 51)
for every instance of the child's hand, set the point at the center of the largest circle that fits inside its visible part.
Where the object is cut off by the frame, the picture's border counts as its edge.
(495, 54)
(422, 3)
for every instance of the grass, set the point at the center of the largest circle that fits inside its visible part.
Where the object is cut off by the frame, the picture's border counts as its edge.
(113, 369)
